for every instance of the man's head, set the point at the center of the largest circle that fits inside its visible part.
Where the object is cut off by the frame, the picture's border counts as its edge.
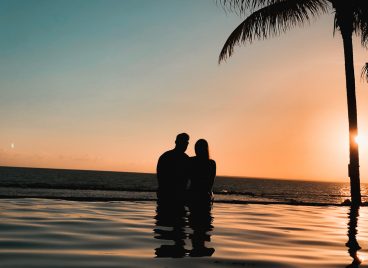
(181, 142)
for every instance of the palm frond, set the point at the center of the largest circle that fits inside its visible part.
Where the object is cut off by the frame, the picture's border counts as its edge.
(360, 23)
(364, 74)
(355, 10)
(272, 20)
(364, 36)
(241, 6)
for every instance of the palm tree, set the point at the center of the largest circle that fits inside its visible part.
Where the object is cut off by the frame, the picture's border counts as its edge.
(271, 17)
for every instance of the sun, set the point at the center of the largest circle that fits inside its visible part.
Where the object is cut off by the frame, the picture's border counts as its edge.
(360, 140)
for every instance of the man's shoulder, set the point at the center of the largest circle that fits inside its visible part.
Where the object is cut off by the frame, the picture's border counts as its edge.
(167, 153)
(184, 156)
(172, 154)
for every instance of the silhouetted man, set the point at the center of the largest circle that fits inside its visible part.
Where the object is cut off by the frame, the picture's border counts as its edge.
(172, 171)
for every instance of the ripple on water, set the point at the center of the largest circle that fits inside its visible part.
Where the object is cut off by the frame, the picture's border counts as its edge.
(51, 233)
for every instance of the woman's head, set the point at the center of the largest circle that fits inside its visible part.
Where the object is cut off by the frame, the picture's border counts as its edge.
(201, 149)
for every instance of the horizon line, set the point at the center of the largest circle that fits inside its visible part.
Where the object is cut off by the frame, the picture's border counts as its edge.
(226, 176)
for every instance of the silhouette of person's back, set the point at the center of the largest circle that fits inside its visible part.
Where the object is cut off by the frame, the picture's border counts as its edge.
(202, 174)
(172, 171)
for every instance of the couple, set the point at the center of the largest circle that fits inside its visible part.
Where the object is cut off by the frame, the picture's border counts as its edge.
(183, 179)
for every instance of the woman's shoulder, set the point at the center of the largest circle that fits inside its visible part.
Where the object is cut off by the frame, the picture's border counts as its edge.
(199, 161)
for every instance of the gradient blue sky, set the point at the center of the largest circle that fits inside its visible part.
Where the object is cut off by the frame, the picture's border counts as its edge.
(108, 84)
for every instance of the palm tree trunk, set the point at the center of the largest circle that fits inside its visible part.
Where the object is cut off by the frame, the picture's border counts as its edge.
(353, 119)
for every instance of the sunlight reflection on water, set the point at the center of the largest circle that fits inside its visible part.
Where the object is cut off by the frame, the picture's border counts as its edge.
(40, 233)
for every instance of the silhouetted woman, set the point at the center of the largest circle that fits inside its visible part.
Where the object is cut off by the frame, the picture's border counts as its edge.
(202, 174)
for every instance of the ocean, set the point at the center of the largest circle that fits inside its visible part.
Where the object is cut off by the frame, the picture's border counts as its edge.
(88, 185)
(54, 218)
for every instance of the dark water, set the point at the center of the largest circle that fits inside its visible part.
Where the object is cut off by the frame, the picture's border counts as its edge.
(102, 185)
(43, 233)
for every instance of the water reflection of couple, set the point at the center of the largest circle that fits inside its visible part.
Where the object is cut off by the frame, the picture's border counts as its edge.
(184, 179)
(184, 200)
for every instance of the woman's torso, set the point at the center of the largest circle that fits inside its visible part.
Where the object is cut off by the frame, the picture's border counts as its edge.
(202, 175)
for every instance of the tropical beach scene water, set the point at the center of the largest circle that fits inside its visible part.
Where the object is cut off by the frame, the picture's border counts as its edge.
(172, 133)
(88, 185)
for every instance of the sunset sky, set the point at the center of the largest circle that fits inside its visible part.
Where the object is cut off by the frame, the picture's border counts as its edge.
(107, 85)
